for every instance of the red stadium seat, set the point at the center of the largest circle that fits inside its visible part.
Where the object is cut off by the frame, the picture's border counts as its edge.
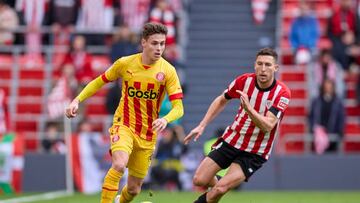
(5, 73)
(351, 93)
(298, 93)
(22, 126)
(293, 76)
(32, 74)
(293, 128)
(352, 111)
(30, 91)
(35, 108)
(95, 109)
(296, 111)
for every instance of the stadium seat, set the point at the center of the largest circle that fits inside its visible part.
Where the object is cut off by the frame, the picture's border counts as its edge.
(298, 93)
(296, 111)
(352, 111)
(34, 108)
(5, 73)
(293, 76)
(22, 126)
(95, 109)
(30, 91)
(32, 74)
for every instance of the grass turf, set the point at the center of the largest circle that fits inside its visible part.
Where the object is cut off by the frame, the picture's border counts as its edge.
(232, 197)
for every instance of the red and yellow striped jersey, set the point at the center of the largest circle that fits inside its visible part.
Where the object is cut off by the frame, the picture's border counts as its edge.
(143, 89)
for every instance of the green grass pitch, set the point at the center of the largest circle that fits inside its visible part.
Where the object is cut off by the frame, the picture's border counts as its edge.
(233, 197)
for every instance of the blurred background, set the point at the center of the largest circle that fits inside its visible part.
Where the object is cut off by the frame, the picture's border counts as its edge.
(50, 49)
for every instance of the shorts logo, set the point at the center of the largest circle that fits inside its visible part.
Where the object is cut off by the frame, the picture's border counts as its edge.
(283, 103)
(115, 138)
(160, 76)
(218, 146)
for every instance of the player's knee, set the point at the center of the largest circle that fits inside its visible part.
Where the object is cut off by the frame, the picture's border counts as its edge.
(133, 190)
(118, 166)
(199, 181)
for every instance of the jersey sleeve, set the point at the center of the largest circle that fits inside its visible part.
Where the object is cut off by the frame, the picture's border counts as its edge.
(237, 84)
(281, 103)
(173, 86)
(114, 72)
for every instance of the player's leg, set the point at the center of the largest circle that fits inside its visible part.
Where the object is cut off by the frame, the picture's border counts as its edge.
(219, 158)
(121, 147)
(245, 164)
(138, 165)
(233, 178)
(132, 189)
(205, 173)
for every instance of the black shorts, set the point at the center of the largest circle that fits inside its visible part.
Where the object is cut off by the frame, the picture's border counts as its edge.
(225, 154)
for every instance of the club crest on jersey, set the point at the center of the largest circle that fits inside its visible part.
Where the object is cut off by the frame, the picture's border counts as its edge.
(160, 76)
(115, 138)
(283, 103)
(268, 104)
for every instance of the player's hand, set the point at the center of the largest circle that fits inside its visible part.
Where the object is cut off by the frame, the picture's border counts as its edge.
(245, 103)
(159, 124)
(71, 110)
(196, 132)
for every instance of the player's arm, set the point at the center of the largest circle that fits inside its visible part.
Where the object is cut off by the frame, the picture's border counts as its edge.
(176, 112)
(214, 109)
(265, 123)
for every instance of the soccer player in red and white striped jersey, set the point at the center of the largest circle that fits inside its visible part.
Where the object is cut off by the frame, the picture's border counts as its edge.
(246, 143)
(146, 77)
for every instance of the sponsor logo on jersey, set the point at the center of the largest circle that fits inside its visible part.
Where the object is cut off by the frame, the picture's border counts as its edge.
(160, 76)
(151, 94)
(283, 103)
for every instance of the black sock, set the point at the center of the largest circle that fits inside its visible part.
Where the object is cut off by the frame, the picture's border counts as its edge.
(201, 199)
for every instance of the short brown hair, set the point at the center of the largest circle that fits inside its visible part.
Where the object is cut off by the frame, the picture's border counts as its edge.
(153, 28)
(267, 52)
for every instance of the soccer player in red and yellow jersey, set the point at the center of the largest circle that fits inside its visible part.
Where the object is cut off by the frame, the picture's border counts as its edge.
(146, 77)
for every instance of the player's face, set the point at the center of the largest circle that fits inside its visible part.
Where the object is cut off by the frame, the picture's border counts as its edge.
(154, 46)
(265, 67)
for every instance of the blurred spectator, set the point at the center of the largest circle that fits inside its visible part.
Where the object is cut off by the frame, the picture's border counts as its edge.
(113, 97)
(80, 59)
(53, 141)
(63, 15)
(342, 31)
(304, 33)
(3, 113)
(95, 16)
(162, 13)
(124, 43)
(8, 20)
(134, 13)
(326, 68)
(259, 9)
(167, 167)
(327, 118)
(33, 12)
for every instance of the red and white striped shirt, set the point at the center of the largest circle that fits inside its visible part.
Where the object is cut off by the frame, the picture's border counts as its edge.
(243, 134)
